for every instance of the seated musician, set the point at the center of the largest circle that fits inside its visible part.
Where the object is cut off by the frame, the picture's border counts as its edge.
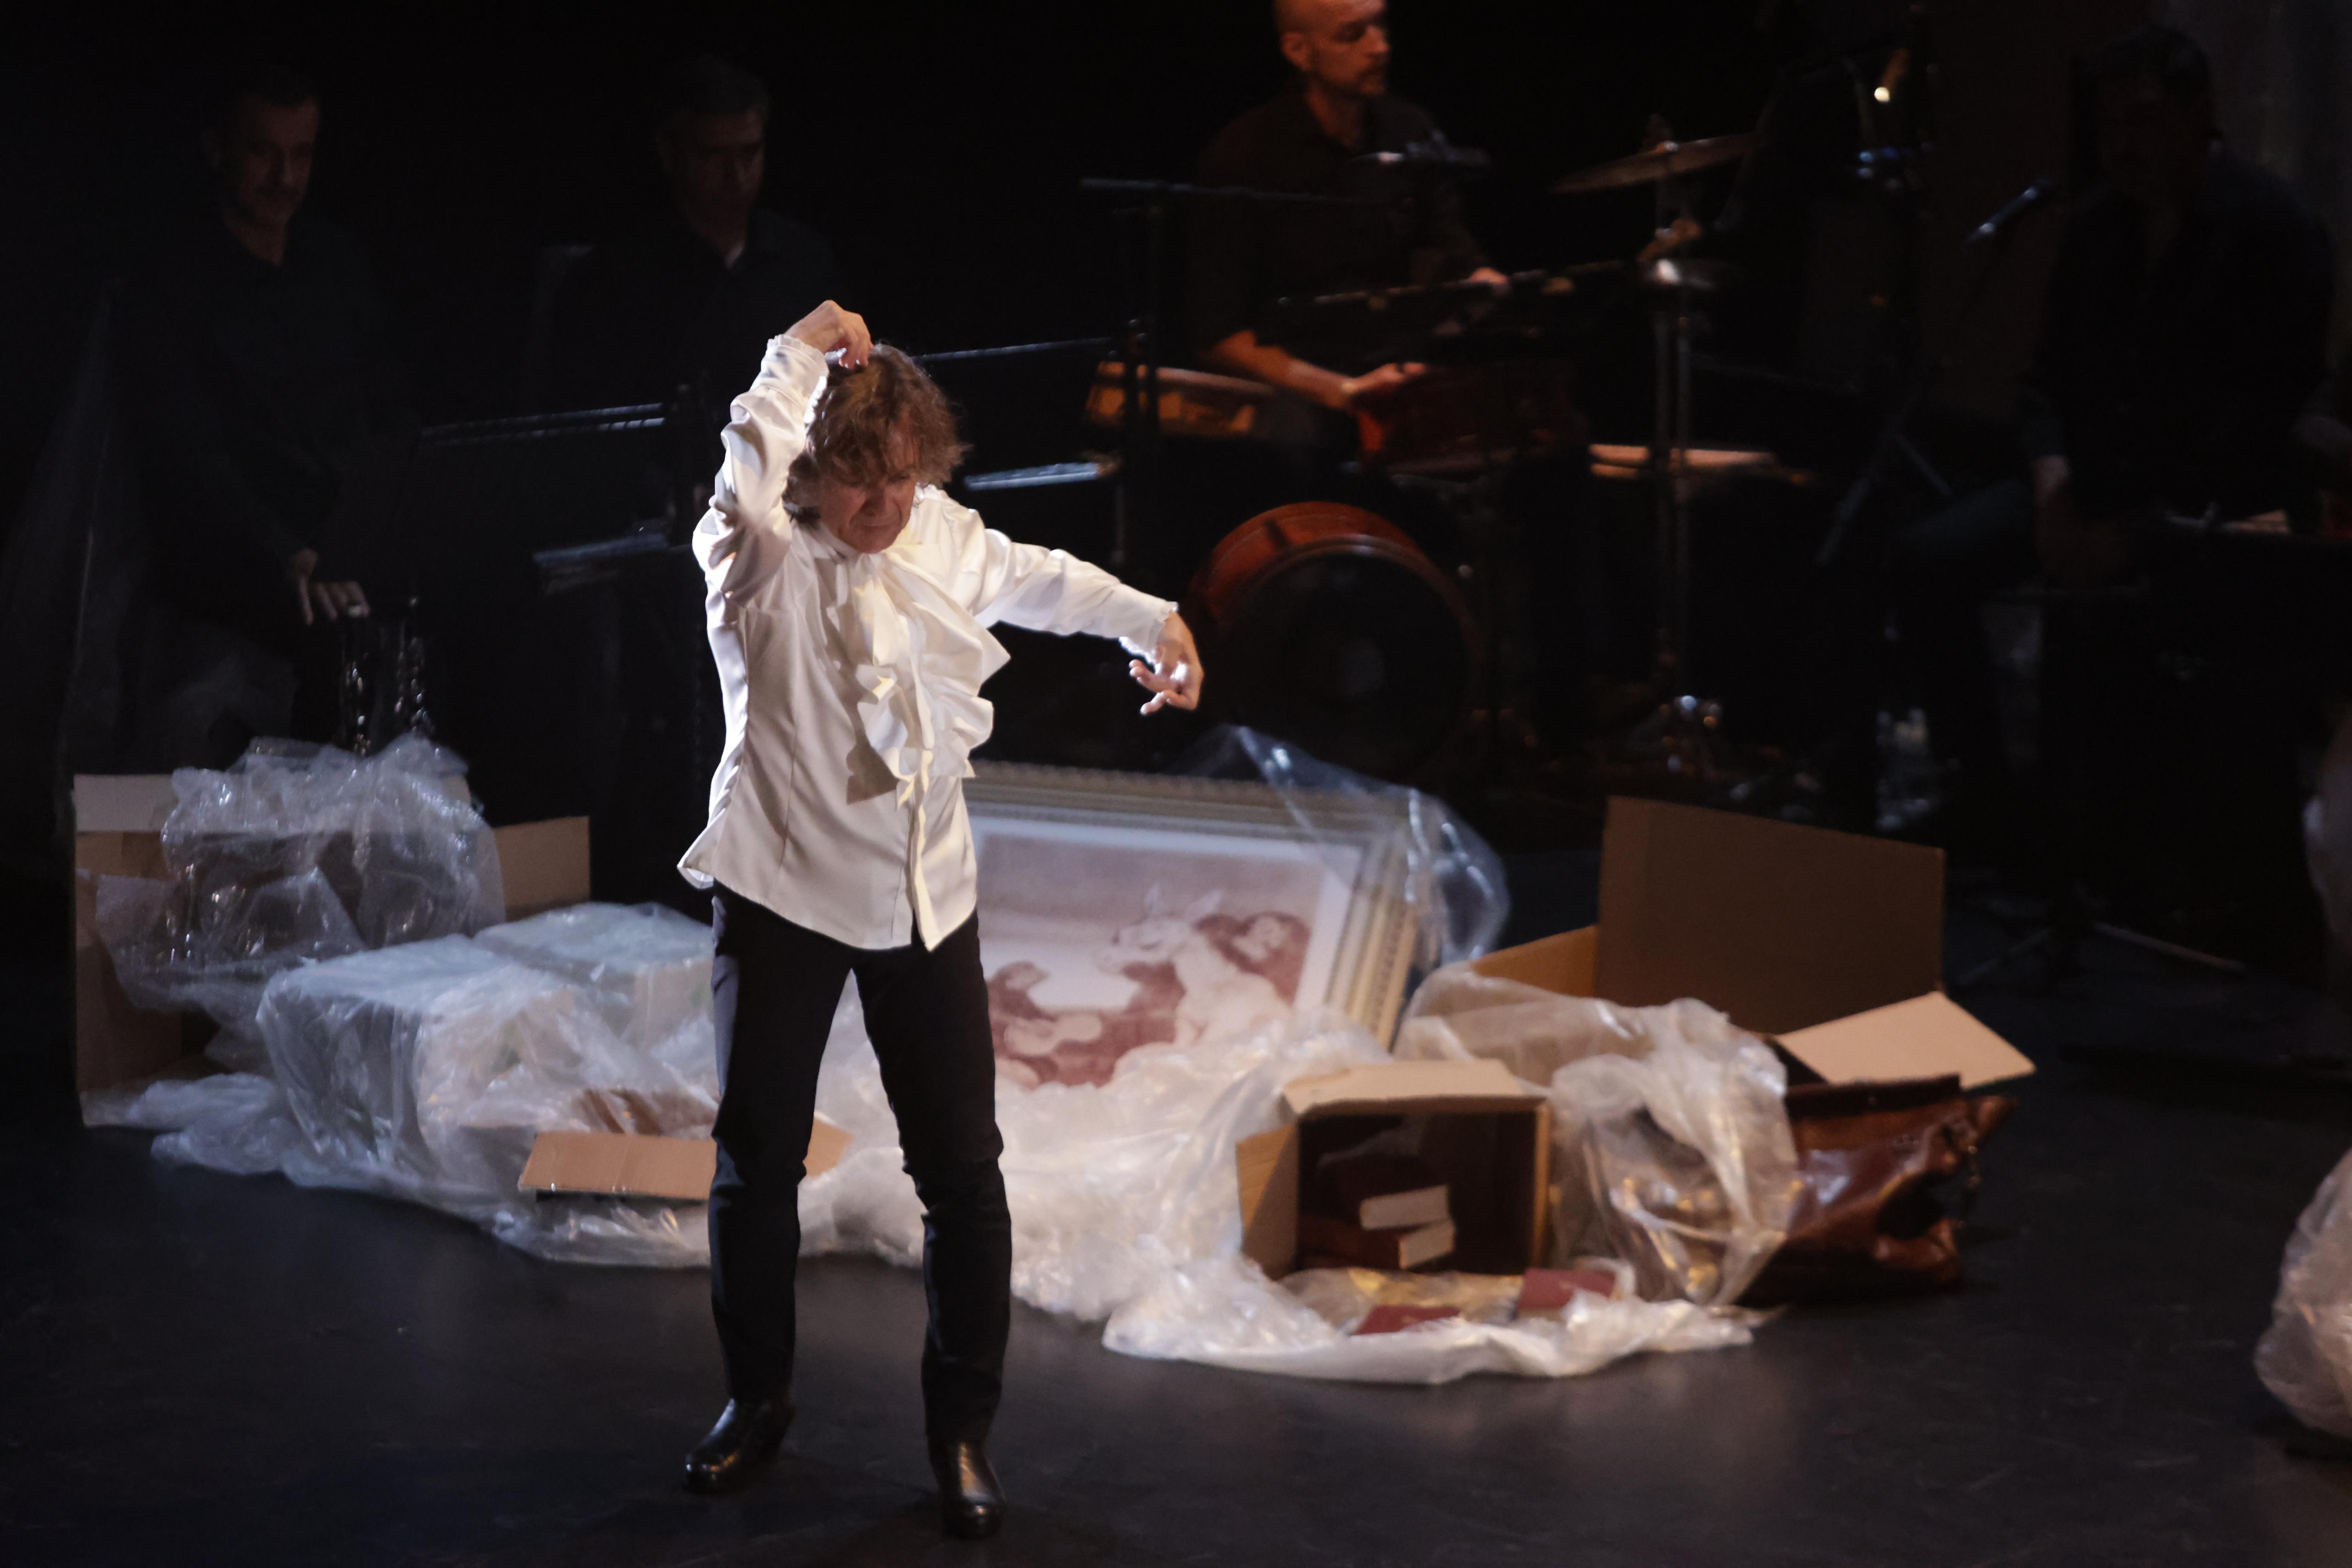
(2181, 335)
(1315, 139)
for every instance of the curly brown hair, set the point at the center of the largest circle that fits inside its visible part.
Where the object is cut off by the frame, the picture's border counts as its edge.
(853, 436)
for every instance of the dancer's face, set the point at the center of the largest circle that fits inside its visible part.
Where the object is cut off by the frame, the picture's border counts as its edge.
(868, 517)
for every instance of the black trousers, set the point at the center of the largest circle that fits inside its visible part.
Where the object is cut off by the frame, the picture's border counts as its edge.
(773, 987)
(1944, 568)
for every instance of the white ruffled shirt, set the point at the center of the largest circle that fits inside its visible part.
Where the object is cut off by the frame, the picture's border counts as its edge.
(852, 682)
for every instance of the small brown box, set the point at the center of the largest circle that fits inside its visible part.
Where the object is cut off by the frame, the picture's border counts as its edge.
(1485, 1134)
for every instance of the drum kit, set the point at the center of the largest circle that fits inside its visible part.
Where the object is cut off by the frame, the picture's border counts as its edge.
(1336, 629)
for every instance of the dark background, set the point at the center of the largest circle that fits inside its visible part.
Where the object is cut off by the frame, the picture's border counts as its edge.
(938, 146)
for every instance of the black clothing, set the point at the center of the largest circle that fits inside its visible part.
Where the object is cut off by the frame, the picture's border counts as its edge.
(240, 383)
(1245, 255)
(1944, 567)
(774, 988)
(2175, 384)
(636, 319)
(2179, 382)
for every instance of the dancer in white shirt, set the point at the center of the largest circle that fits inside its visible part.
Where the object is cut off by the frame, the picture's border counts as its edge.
(849, 602)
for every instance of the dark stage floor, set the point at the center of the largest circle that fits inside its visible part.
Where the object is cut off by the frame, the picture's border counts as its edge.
(200, 1369)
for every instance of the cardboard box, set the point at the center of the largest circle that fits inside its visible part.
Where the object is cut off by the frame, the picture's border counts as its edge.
(118, 832)
(1831, 944)
(632, 1165)
(1487, 1137)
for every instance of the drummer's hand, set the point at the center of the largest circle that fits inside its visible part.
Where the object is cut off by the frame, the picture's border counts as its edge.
(1174, 676)
(1375, 383)
(332, 600)
(1500, 282)
(829, 327)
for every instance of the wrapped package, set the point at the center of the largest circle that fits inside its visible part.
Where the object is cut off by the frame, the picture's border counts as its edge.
(1675, 1149)
(294, 855)
(425, 1069)
(1454, 890)
(645, 968)
(2306, 1355)
(644, 972)
(1688, 1167)
(425, 1072)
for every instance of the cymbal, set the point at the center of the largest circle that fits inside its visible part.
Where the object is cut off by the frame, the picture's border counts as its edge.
(1663, 161)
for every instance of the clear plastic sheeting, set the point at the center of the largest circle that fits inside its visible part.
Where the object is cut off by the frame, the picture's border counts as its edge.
(1674, 1151)
(1126, 1205)
(1459, 1013)
(1689, 1166)
(2327, 841)
(1454, 888)
(1221, 1310)
(2306, 1356)
(425, 1071)
(647, 968)
(296, 854)
(1109, 1184)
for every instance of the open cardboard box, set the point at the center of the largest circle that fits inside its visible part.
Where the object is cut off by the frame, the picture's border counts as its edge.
(1488, 1135)
(1831, 944)
(118, 832)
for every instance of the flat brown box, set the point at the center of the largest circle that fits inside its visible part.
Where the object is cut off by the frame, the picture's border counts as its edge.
(635, 1165)
(1487, 1137)
(1831, 943)
(118, 832)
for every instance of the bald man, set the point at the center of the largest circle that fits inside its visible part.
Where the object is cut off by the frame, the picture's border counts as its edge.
(1318, 138)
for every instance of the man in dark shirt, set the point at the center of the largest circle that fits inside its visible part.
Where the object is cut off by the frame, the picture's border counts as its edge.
(1319, 138)
(692, 301)
(252, 353)
(2183, 330)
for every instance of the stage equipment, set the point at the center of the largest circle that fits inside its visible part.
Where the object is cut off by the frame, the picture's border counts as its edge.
(1667, 161)
(1191, 401)
(1465, 419)
(1145, 203)
(1329, 627)
(1894, 444)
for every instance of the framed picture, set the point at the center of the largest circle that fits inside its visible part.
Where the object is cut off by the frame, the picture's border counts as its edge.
(1119, 910)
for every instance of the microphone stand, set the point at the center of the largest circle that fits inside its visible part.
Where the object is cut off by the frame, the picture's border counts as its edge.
(1894, 443)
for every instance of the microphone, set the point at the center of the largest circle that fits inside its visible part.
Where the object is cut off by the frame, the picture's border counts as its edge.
(2016, 207)
(1436, 153)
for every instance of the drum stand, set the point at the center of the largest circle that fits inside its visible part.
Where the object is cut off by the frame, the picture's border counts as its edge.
(1680, 733)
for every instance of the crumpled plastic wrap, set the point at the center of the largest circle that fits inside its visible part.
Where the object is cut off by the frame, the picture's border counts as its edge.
(423, 1069)
(2306, 1355)
(1688, 1164)
(1673, 1146)
(1220, 1310)
(2328, 840)
(293, 856)
(1453, 887)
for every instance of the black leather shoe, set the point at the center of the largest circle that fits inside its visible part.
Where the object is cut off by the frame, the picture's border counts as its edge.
(747, 1437)
(971, 1505)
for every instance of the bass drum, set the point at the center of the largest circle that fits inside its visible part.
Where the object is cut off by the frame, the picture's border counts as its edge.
(1329, 628)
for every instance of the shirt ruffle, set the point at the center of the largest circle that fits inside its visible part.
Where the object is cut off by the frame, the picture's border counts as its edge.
(918, 675)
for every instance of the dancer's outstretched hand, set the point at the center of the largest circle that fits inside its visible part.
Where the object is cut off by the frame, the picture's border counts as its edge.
(829, 327)
(1174, 676)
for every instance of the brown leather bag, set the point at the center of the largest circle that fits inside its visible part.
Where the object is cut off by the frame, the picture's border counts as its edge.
(1870, 1157)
